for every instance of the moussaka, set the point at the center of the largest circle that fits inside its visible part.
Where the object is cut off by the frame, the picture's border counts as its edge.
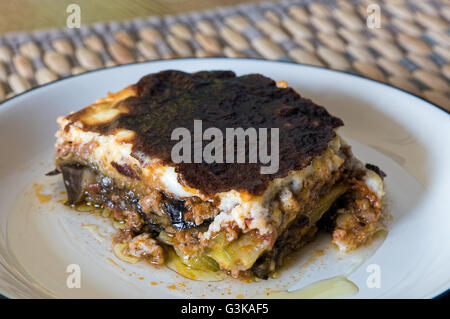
(115, 156)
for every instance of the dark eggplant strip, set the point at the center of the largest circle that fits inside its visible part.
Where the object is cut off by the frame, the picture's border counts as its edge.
(53, 173)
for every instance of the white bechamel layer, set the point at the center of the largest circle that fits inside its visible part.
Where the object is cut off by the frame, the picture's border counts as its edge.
(375, 183)
(257, 212)
(245, 210)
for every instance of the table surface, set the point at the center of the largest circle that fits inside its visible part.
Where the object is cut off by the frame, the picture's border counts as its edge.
(28, 15)
(410, 50)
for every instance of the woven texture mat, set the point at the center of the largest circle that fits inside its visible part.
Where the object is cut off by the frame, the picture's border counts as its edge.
(411, 50)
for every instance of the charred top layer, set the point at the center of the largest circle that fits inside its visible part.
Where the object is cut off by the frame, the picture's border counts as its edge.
(172, 99)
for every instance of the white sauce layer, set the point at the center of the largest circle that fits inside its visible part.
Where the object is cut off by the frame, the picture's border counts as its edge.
(248, 212)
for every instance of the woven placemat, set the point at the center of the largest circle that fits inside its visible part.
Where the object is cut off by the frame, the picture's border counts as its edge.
(411, 50)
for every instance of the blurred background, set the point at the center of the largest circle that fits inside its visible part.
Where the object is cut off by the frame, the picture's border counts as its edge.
(404, 43)
(27, 15)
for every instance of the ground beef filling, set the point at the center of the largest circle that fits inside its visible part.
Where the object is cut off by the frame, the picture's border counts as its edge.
(301, 230)
(140, 219)
(145, 246)
(351, 219)
(357, 219)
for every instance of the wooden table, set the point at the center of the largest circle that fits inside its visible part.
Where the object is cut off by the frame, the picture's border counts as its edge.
(27, 15)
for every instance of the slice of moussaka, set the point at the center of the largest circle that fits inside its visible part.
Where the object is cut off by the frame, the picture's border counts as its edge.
(234, 217)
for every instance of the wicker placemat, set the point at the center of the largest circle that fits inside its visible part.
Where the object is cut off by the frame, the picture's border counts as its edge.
(411, 50)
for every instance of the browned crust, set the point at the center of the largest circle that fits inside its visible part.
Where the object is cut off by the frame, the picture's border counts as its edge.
(171, 99)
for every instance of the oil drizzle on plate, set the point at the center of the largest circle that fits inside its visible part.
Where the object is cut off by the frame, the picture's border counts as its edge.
(335, 287)
(38, 190)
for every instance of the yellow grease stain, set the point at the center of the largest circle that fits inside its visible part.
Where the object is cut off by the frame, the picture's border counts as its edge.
(319, 253)
(112, 262)
(43, 198)
(332, 288)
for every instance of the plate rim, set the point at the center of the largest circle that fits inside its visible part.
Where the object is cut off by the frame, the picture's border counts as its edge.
(438, 295)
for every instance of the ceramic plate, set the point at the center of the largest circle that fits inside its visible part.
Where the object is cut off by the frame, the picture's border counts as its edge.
(406, 136)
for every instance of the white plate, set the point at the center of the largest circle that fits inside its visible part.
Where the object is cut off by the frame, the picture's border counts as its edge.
(405, 135)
